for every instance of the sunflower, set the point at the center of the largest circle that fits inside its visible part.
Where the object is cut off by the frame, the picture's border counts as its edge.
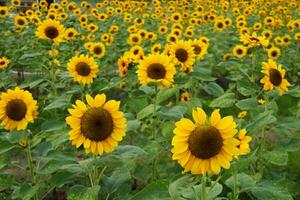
(16, 2)
(200, 48)
(183, 54)
(98, 126)
(206, 145)
(219, 25)
(3, 11)
(4, 62)
(156, 48)
(184, 96)
(17, 109)
(156, 68)
(20, 21)
(239, 51)
(274, 77)
(244, 147)
(254, 40)
(134, 39)
(70, 34)
(137, 52)
(83, 69)
(274, 53)
(51, 29)
(98, 49)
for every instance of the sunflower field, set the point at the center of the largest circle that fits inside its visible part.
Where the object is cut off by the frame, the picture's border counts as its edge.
(150, 100)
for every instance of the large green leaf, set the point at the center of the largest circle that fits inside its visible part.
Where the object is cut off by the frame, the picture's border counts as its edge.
(156, 190)
(224, 101)
(80, 192)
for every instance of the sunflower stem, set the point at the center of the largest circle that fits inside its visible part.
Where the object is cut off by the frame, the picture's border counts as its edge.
(154, 109)
(31, 167)
(235, 184)
(203, 187)
(52, 71)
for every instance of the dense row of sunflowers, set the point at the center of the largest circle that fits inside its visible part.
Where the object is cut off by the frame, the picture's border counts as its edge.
(145, 74)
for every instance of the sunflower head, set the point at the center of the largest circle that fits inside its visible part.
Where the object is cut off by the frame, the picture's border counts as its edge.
(4, 61)
(51, 30)
(98, 125)
(156, 68)
(97, 49)
(3, 11)
(205, 145)
(17, 109)
(182, 53)
(83, 69)
(239, 51)
(274, 77)
(20, 21)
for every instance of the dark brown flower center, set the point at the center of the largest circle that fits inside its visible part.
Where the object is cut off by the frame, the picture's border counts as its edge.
(70, 34)
(197, 49)
(275, 77)
(16, 109)
(2, 62)
(83, 69)
(97, 124)
(156, 71)
(51, 32)
(274, 53)
(21, 22)
(239, 51)
(205, 142)
(181, 55)
(97, 50)
(2, 12)
(220, 25)
(135, 39)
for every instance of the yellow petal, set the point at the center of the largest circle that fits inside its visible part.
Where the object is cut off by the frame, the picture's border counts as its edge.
(199, 116)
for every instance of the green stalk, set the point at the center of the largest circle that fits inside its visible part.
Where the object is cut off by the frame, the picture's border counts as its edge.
(31, 168)
(52, 71)
(235, 184)
(203, 187)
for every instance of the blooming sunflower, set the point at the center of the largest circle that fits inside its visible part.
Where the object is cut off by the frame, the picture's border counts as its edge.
(182, 54)
(83, 69)
(20, 21)
(98, 126)
(200, 48)
(4, 62)
(274, 77)
(70, 34)
(274, 53)
(51, 29)
(206, 145)
(134, 39)
(254, 40)
(156, 68)
(98, 49)
(244, 147)
(17, 109)
(3, 11)
(239, 51)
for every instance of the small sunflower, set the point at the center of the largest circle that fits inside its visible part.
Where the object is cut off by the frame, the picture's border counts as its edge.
(17, 109)
(182, 53)
(206, 145)
(274, 77)
(3, 11)
(98, 126)
(4, 61)
(16, 2)
(200, 48)
(70, 34)
(185, 96)
(244, 147)
(156, 68)
(51, 29)
(274, 53)
(134, 39)
(239, 51)
(20, 21)
(83, 69)
(254, 40)
(98, 49)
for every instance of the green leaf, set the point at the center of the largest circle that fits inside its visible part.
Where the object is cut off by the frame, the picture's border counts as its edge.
(261, 120)
(49, 126)
(247, 104)
(25, 191)
(61, 102)
(30, 55)
(133, 125)
(119, 182)
(247, 88)
(213, 89)
(80, 192)
(61, 178)
(165, 94)
(224, 101)
(156, 190)
(5, 146)
(277, 157)
(203, 74)
(181, 186)
(267, 190)
(173, 113)
(244, 181)
(146, 111)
